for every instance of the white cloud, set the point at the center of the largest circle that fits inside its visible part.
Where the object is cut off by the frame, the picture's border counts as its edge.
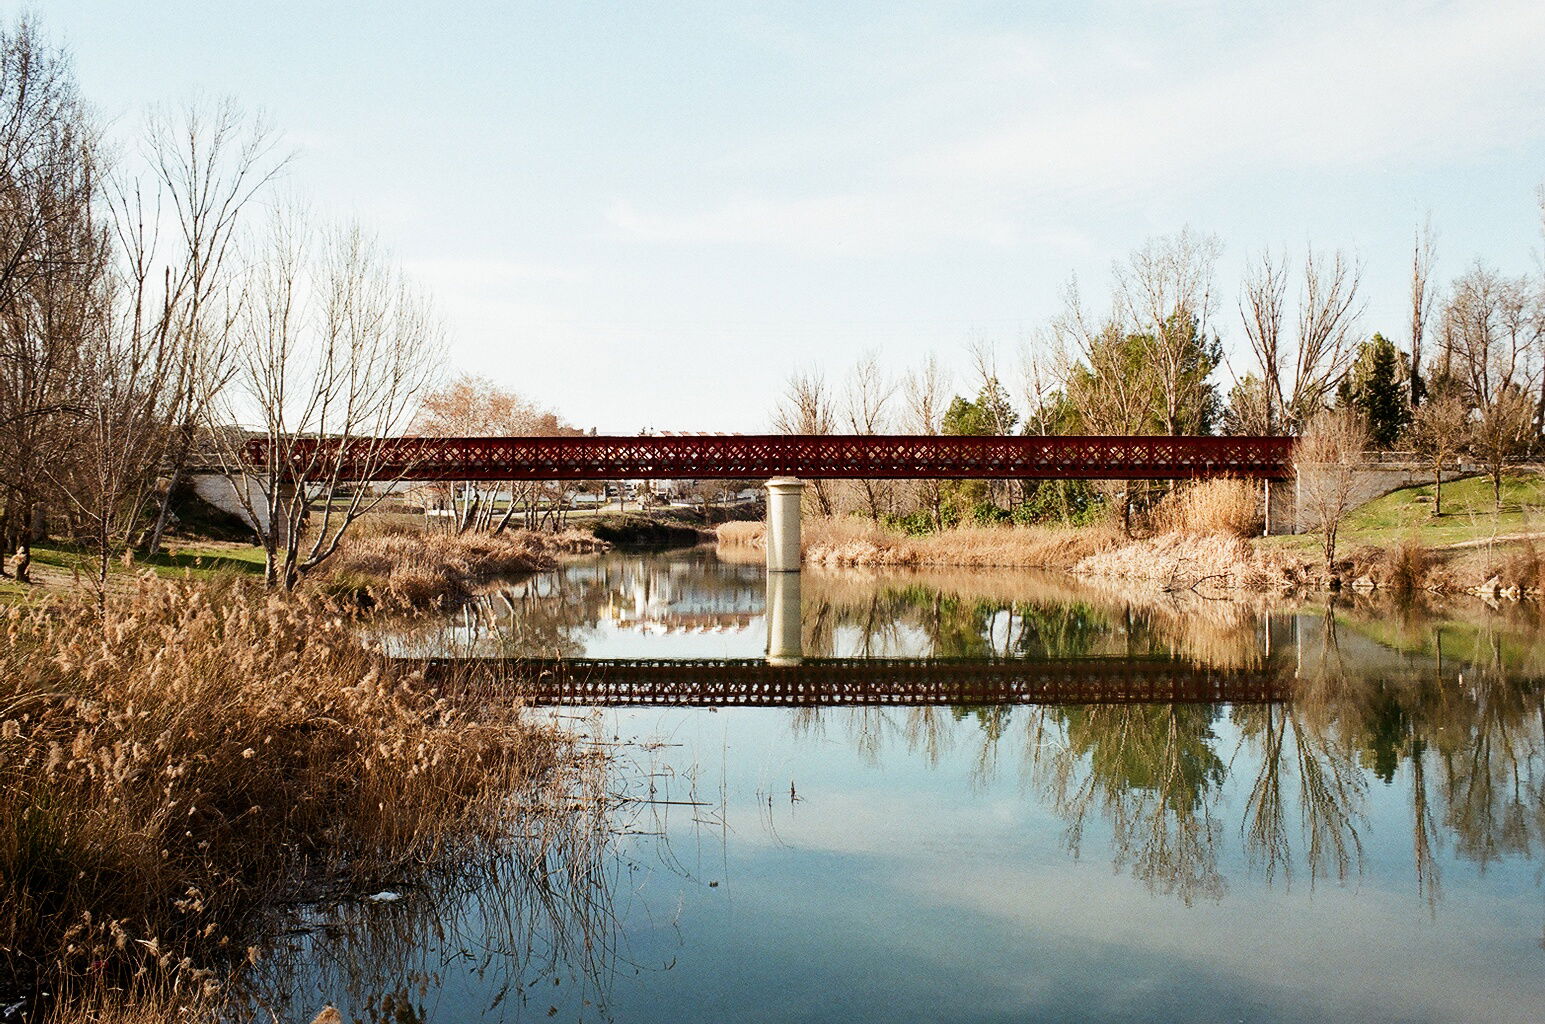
(1114, 119)
(1375, 88)
(825, 225)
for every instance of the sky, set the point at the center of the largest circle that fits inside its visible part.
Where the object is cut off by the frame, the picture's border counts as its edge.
(647, 215)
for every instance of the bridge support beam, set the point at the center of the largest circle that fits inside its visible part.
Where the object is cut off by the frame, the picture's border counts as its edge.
(783, 493)
(785, 641)
(246, 497)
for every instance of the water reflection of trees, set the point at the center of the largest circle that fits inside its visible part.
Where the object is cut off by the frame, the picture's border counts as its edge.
(1152, 772)
(1018, 614)
(1453, 718)
(1444, 709)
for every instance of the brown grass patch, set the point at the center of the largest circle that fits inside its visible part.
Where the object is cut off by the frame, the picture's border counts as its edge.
(1182, 561)
(1520, 567)
(1217, 506)
(1405, 567)
(747, 533)
(848, 542)
(401, 566)
(174, 763)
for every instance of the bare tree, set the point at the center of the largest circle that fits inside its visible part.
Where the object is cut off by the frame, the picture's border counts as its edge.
(806, 407)
(209, 162)
(1502, 434)
(866, 407)
(1108, 384)
(1301, 371)
(1250, 408)
(1325, 462)
(51, 262)
(1261, 307)
(1438, 433)
(1165, 291)
(925, 391)
(1493, 332)
(336, 350)
(1423, 296)
(475, 407)
(127, 397)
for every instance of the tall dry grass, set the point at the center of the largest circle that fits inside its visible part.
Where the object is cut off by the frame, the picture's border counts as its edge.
(1184, 561)
(848, 542)
(403, 566)
(1216, 506)
(177, 763)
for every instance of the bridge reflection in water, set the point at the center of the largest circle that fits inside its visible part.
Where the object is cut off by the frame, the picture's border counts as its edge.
(750, 682)
(785, 678)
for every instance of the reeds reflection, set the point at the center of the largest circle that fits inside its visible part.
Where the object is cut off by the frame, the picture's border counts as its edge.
(521, 926)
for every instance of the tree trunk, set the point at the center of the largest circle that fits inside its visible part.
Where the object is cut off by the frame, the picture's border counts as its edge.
(509, 511)
(1437, 491)
(179, 463)
(468, 514)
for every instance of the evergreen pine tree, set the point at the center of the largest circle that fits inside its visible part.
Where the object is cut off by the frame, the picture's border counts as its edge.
(1376, 388)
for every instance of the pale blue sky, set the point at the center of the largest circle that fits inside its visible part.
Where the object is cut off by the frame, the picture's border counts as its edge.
(647, 214)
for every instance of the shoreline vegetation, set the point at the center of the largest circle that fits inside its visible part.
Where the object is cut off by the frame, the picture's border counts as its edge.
(1206, 536)
(402, 568)
(183, 762)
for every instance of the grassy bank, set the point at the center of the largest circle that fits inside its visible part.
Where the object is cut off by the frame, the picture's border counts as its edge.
(1470, 516)
(59, 566)
(382, 562)
(180, 764)
(1206, 536)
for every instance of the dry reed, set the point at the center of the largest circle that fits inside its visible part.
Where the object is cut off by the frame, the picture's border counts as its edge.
(1217, 506)
(850, 542)
(400, 566)
(177, 761)
(1179, 561)
(1520, 569)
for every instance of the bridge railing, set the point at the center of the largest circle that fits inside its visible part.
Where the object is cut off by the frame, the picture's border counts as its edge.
(759, 456)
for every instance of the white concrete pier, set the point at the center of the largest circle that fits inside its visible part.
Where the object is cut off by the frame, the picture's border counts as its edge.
(783, 493)
(785, 644)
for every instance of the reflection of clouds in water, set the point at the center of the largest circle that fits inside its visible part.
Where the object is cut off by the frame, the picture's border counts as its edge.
(1287, 856)
(924, 833)
(1323, 959)
(1169, 787)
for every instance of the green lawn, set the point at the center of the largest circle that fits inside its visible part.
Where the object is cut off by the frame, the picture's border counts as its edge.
(1469, 514)
(178, 560)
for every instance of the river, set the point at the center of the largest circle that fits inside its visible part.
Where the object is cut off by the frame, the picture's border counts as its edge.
(1122, 807)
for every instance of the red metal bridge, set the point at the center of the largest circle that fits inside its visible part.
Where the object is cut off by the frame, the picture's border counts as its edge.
(757, 456)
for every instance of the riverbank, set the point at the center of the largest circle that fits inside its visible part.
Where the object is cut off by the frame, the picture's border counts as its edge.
(857, 542)
(405, 567)
(1501, 566)
(181, 763)
(382, 563)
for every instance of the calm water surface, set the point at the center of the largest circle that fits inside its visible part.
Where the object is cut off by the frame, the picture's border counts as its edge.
(1366, 850)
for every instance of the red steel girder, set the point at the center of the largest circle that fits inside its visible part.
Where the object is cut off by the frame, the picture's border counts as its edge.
(757, 456)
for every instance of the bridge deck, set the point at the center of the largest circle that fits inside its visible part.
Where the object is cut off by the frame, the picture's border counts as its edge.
(862, 682)
(750, 456)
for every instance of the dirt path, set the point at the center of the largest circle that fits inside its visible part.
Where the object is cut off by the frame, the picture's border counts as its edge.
(1482, 542)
